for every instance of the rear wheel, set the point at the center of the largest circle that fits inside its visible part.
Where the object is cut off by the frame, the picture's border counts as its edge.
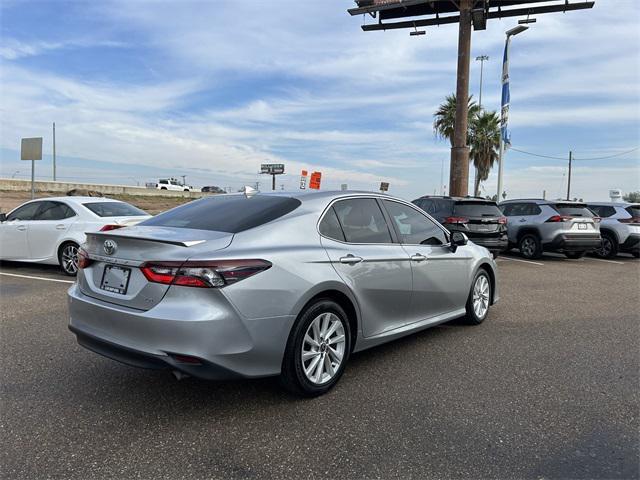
(479, 298)
(68, 258)
(575, 255)
(530, 246)
(317, 350)
(608, 248)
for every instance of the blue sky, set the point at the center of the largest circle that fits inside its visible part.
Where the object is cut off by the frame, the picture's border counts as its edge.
(212, 89)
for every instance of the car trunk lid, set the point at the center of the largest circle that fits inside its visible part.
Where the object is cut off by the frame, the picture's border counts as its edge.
(482, 217)
(114, 275)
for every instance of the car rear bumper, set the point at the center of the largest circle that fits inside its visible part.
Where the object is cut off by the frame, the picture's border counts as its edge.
(575, 242)
(493, 244)
(631, 244)
(220, 342)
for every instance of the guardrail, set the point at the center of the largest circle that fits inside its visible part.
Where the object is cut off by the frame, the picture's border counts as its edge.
(15, 185)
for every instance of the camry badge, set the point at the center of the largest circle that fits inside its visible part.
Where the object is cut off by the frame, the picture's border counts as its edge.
(110, 247)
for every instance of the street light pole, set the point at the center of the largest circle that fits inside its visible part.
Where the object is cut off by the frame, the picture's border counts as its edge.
(506, 98)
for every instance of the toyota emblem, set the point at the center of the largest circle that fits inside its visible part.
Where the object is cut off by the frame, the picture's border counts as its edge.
(110, 247)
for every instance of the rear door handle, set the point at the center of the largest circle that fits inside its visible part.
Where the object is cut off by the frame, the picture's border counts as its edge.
(350, 259)
(21, 227)
(61, 227)
(522, 220)
(418, 258)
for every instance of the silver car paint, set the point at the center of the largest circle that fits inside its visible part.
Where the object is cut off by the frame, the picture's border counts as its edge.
(243, 328)
(622, 231)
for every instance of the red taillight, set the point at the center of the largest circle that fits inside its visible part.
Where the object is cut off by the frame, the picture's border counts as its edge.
(560, 218)
(596, 219)
(83, 259)
(107, 228)
(203, 274)
(458, 220)
(186, 359)
(502, 220)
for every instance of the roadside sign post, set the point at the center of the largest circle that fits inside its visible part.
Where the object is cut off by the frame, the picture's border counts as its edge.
(31, 149)
(272, 169)
(303, 180)
(384, 186)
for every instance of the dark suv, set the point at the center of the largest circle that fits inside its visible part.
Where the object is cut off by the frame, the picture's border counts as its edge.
(481, 220)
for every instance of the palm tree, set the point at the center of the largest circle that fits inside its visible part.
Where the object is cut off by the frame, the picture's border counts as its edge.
(485, 145)
(445, 117)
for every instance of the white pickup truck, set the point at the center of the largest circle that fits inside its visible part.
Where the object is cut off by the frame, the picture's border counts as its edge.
(173, 184)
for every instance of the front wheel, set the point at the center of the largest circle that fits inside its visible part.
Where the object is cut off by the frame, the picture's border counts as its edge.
(575, 255)
(68, 259)
(317, 350)
(479, 299)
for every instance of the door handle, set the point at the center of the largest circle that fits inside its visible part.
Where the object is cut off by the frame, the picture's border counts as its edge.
(60, 227)
(418, 258)
(350, 259)
(522, 220)
(21, 227)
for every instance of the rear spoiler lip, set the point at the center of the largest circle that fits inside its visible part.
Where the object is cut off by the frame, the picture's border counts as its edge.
(186, 243)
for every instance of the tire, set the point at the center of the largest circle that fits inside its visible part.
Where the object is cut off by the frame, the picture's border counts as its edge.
(186, 190)
(68, 258)
(609, 248)
(299, 376)
(575, 255)
(530, 246)
(479, 300)
(163, 188)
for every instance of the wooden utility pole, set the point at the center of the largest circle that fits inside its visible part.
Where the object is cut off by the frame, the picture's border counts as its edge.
(569, 177)
(459, 171)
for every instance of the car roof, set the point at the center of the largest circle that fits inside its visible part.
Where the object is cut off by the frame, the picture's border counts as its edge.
(456, 199)
(613, 204)
(541, 201)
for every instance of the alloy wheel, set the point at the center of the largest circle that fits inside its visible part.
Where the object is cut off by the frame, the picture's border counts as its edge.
(605, 247)
(69, 259)
(528, 247)
(323, 348)
(481, 296)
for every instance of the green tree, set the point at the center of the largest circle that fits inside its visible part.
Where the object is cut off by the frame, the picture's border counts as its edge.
(485, 145)
(632, 197)
(445, 117)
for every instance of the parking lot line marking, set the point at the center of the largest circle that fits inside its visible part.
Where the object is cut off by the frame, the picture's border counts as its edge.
(524, 261)
(36, 278)
(608, 261)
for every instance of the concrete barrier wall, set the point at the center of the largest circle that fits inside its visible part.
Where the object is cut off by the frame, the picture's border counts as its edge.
(63, 187)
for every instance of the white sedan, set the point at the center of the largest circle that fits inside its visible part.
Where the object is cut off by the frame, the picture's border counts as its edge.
(49, 230)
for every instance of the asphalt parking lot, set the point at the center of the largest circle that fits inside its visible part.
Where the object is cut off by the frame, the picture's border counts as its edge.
(547, 387)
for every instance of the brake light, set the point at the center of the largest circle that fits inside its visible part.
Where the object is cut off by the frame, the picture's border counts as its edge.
(456, 220)
(203, 274)
(629, 220)
(83, 259)
(108, 228)
(596, 219)
(560, 218)
(502, 220)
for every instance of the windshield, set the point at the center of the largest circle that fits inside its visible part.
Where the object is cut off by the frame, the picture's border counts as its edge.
(573, 210)
(115, 209)
(477, 209)
(229, 213)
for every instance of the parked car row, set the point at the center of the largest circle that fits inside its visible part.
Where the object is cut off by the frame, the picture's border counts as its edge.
(534, 226)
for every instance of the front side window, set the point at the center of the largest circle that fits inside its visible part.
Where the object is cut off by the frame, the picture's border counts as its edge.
(362, 221)
(25, 212)
(54, 211)
(413, 227)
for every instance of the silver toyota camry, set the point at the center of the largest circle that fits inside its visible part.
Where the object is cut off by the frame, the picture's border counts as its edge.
(290, 284)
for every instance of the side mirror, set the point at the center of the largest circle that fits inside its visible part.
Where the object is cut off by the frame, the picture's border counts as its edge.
(458, 239)
(3, 217)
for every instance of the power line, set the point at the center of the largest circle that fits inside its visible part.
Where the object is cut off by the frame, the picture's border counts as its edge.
(620, 154)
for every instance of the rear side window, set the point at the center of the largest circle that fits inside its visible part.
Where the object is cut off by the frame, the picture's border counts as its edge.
(228, 213)
(602, 210)
(634, 210)
(114, 209)
(573, 210)
(413, 227)
(521, 209)
(330, 227)
(362, 221)
(54, 211)
(476, 209)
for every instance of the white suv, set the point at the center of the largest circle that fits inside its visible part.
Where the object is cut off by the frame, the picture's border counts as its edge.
(620, 228)
(173, 184)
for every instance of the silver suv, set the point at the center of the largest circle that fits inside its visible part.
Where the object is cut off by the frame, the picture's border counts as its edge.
(620, 228)
(534, 226)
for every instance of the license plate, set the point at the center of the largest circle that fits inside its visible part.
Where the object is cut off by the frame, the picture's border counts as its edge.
(582, 226)
(115, 279)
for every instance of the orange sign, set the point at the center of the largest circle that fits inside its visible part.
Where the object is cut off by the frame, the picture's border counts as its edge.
(303, 180)
(314, 182)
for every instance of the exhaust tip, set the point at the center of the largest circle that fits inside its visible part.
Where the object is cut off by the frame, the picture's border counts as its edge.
(179, 375)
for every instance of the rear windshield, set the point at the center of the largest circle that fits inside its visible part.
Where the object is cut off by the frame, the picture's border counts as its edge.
(228, 213)
(477, 209)
(634, 210)
(114, 209)
(573, 210)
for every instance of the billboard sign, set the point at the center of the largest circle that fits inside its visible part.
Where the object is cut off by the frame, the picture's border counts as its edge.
(272, 168)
